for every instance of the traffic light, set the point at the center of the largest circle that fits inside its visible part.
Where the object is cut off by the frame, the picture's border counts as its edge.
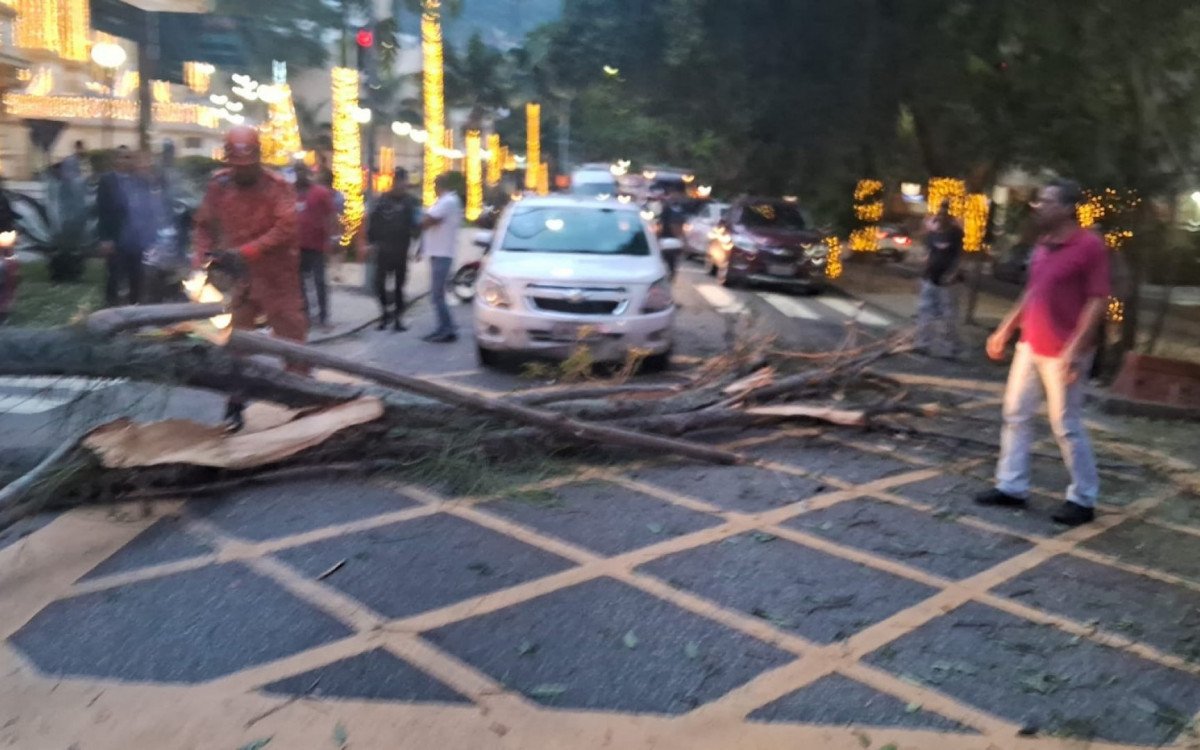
(365, 40)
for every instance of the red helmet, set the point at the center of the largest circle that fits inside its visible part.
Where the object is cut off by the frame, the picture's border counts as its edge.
(242, 147)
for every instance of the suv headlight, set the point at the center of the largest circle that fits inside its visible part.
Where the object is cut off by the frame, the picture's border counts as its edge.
(658, 297)
(492, 292)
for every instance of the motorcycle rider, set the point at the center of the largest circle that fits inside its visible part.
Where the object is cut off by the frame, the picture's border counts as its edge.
(246, 229)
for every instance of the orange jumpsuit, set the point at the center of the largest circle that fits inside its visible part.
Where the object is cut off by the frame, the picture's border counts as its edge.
(259, 221)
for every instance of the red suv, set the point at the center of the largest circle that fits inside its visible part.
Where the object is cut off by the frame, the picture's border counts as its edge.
(766, 240)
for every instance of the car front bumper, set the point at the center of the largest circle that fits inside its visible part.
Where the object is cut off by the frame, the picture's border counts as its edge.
(609, 338)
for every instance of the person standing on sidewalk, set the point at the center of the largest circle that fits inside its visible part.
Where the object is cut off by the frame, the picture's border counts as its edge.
(391, 227)
(439, 239)
(316, 215)
(937, 306)
(123, 268)
(1059, 314)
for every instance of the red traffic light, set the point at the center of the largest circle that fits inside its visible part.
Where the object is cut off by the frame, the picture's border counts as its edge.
(365, 38)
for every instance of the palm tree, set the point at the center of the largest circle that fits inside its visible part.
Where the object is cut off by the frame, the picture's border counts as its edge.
(433, 84)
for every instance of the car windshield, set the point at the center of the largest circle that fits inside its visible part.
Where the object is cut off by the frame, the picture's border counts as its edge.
(773, 216)
(594, 188)
(590, 231)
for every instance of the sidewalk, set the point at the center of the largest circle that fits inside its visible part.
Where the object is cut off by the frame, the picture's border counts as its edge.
(352, 304)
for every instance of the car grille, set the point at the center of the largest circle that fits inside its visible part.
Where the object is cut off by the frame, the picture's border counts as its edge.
(595, 301)
(586, 307)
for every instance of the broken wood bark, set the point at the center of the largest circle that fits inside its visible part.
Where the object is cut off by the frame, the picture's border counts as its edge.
(117, 319)
(255, 343)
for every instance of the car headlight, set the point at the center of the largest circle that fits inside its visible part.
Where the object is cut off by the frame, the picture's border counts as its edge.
(658, 297)
(492, 292)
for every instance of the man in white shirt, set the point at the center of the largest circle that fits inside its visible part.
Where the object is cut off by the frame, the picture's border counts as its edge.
(439, 239)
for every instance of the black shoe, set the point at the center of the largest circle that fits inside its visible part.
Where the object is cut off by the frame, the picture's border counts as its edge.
(398, 325)
(1073, 514)
(383, 323)
(445, 338)
(235, 418)
(1001, 499)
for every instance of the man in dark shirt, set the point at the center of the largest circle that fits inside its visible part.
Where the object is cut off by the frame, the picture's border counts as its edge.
(671, 227)
(937, 308)
(112, 207)
(391, 228)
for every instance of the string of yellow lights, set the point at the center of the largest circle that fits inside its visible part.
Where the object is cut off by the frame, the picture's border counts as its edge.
(495, 163)
(98, 108)
(434, 90)
(474, 157)
(533, 146)
(347, 152)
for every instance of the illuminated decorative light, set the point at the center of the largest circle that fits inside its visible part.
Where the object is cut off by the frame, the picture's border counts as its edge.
(474, 207)
(975, 221)
(864, 240)
(543, 179)
(689, 178)
(866, 189)
(41, 82)
(943, 189)
(434, 91)
(198, 76)
(649, 174)
(533, 146)
(127, 84)
(509, 160)
(704, 191)
(1116, 310)
(402, 129)
(869, 212)
(910, 189)
(790, 199)
(96, 108)
(161, 91)
(385, 177)
(495, 163)
(833, 265)
(62, 27)
(347, 151)
(281, 132)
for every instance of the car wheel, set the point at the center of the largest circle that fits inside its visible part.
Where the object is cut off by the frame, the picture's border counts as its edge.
(657, 362)
(489, 358)
(463, 283)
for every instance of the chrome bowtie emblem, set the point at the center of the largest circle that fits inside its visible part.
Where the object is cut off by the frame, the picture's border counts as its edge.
(576, 295)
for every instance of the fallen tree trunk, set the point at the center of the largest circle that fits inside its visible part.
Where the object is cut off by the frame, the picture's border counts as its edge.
(255, 343)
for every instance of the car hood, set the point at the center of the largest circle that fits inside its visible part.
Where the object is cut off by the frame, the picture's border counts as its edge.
(575, 269)
(788, 238)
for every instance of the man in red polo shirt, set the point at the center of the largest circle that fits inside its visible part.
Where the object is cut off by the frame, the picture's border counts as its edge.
(1059, 316)
(316, 218)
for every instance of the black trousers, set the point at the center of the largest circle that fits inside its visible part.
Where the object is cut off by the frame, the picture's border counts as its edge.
(393, 266)
(312, 263)
(124, 270)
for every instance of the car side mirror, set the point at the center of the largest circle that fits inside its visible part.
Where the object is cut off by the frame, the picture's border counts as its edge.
(670, 245)
(484, 239)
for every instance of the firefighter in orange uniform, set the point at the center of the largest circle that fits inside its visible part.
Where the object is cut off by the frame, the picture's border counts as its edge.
(247, 222)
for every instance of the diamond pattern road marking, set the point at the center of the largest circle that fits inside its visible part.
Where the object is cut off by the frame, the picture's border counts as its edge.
(233, 703)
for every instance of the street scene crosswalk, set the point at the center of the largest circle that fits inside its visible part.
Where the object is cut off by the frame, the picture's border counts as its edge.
(827, 308)
(37, 395)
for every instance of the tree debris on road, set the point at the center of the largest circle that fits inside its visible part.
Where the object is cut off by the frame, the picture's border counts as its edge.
(396, 419)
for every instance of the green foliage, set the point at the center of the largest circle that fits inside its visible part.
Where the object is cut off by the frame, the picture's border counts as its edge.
(42, 303)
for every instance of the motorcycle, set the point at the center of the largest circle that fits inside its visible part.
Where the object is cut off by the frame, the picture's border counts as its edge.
(464, 280)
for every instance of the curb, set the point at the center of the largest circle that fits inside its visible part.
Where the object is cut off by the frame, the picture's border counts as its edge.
(360, 327)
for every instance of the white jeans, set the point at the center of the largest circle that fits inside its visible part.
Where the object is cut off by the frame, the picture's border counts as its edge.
(1065, 406)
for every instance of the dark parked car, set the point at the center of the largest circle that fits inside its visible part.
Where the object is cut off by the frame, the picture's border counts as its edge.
(767, 240)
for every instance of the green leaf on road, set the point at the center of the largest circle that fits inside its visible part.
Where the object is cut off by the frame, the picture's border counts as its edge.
(548, 690)
(256, 744)
(1042, 683)
(864, 739)
(340, 737)
(692, 650)
(827, 526)
(630, 640)
(655, 528)
(889, 746)
(763, 537)
(912, 708)
(526, 647)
